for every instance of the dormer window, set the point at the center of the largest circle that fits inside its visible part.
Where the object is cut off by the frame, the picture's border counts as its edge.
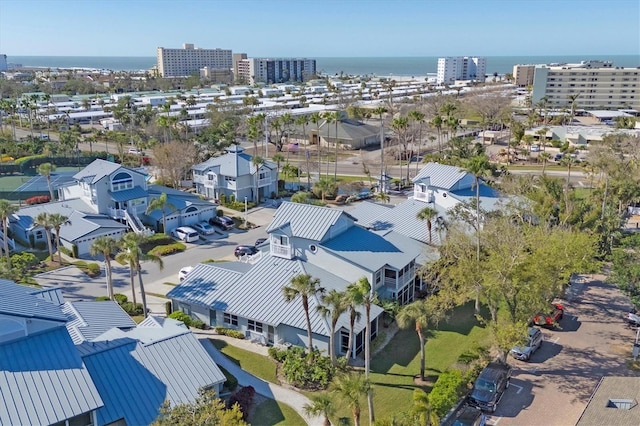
(121, 181)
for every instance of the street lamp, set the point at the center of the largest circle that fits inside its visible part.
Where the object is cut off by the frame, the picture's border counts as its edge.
(245, 212)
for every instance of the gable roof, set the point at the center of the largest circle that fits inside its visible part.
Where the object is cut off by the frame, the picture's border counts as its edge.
(442, 175)
(43, 380)
(86, 224)
(234, 163)
(180, 200)
(19, 300)
(25, 217)
(305, 220)
(161, 357)
(88, 320)
(99, 169)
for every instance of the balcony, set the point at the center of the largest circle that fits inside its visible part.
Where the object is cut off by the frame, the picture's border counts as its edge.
(264, 182)
(209, 183)
(427, 197)
(279, 250)
(116, 213)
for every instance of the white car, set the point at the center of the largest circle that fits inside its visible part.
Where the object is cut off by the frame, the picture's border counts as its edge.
(535, 148)
(186, 234)
(135, 151)
(182, 274)
(204, 228)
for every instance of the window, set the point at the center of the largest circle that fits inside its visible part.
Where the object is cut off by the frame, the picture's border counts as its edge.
(255, 326)
(230, 319)
(121, 181)
(283, 240)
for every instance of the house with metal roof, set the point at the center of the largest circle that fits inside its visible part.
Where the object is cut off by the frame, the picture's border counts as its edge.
(351, 134)
(235, 175)
(87, 320)
(303, 239)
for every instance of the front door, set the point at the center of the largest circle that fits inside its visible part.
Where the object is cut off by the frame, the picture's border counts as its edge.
(270, 335)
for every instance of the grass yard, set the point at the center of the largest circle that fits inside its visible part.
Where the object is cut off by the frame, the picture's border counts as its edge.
(273, 413)
(258, 365)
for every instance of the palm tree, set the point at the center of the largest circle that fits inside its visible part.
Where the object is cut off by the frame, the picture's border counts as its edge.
(105, 246)
(477, 166)
(257, 162)
(43, 220)
(361, 293)
(321, 404)
(325, 185)
(437, 122)
(350, 388)
(132, 254)
(6, 210)
(354, 315)
(161, 204)
(544, 157)
(334, 304)
(316, 118)
(305, 286)
(401, 125)
(56, 221)
(382, 197)
(423, 408)
(428, 214)
(380, 111)
(417, 314)
(418, 117)
(45, 169)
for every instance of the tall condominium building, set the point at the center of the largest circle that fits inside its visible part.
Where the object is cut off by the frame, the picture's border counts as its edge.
(461, 68)
(264, 70)
(189, 60)
(237, 57)
(523, 75)
(3, 62)
(593, 85)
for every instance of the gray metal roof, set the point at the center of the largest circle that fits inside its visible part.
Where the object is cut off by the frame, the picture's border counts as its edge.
(25, 217)
(180, 200)
(43, 380)
(163, 359)
(19, 300)
(366, 211)
(88, 320)
(442, 175)
(97, 170)
(234, 163)
(305, 220)
(84, 224)
(128, 194)
(53, 295)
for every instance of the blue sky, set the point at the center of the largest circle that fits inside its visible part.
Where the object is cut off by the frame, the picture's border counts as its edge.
(321, 28)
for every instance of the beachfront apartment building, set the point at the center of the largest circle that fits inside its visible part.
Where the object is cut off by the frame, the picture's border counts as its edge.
(593, 85)
(523, 75)
(278, 70)
(188, 60)
(3, 62)
(455, 68)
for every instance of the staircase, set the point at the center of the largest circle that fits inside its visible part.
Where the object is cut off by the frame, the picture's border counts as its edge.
(136, 224)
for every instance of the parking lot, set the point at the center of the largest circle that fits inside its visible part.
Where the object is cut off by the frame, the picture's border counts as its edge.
(554, 387)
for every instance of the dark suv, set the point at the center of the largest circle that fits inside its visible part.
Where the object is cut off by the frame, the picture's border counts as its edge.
(245, 251)
(224, 222)
(489, 386)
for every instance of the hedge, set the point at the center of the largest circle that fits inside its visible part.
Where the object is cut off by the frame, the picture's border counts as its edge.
(229, 332)
(187, 320)
(167, 249)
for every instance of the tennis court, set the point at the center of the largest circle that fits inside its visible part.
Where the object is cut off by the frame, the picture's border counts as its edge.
(39, 183)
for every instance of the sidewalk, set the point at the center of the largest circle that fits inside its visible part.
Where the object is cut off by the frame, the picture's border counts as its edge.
(294, 399)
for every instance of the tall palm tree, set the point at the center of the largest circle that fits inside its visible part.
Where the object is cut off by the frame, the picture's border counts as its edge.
(105, 246)
(418, 315)
(334, 304)
(132, 254)
(6, 210)
(437, 123)
(316, 118)
(544, 157)
(329, 118)
(380, 111)
(418, 117)
(305, 286)
(57, 220)
(45, 169)
(351, 388)
(427, 214)
(362, 294)
(321, 404)
(257, 162)
(478, 167)
(43, 220)
(354, 315)
(161, 204)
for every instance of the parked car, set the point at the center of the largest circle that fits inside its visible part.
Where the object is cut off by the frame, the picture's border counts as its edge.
(245, 251)
(490, 386)
(535, 148)
(550, 318)
(224, 222)
(466, 416)
(558, 157)
(204, 228)
(182, 274)
(523, 353)
(632, 319)
(135, 151)
(259, 241)
(186, 234)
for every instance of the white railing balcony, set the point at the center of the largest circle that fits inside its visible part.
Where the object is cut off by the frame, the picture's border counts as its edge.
(422, 196)
(279, 250)
(116, 213)
(199, 179)
(264, 182)
(209, 183)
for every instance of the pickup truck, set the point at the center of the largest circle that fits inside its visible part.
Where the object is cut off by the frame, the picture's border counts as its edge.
(490, 386)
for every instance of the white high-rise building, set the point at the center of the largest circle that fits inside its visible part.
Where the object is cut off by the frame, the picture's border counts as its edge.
(254, 70)
(461, 68)
(592, 84)
(3, 62)
(190, 59)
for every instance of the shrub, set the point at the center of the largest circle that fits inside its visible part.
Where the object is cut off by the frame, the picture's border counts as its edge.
(229, 332)
(132, 309)
(446, 391)
(38, 199)
(244, 398)
(66, 251)
(303, 372)
(120, 298)
(168, 249)
(181, 316)
(102, 298)
(94, 269)
(196, 323)
(277, 354)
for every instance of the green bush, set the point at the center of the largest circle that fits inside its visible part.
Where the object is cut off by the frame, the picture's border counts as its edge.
(102, 298)
(230, 332)
(196, 323)
(93, 268)
(40, 245)
(181, 316)
(120, 298)
(168, 249)
(446, 391)
(277, 354)
(132, 309)
(310, 371)
(66, 251)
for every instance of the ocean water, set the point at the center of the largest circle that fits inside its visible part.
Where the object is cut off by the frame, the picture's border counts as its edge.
(383, 66)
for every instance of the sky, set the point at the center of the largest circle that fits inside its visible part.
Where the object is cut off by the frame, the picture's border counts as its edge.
(321, 28)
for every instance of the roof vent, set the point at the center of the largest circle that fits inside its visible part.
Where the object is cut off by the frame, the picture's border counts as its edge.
(622, 404)
(313, 248)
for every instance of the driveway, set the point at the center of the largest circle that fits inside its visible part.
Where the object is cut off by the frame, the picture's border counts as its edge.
(592, 341)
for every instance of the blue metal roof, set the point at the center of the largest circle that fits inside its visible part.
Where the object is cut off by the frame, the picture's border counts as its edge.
(84, 224)
(101, 168)
(88, 320)
(129, 194)
(18, 300)
(164, 361)
(43, 380)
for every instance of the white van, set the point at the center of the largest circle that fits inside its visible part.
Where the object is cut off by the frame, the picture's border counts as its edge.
(186, 234)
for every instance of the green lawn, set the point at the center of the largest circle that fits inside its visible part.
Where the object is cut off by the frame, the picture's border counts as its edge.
(272, 413)
(258, 365)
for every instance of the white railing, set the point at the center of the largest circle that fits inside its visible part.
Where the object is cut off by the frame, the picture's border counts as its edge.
(116, 213)
(279, 250)
(423, 196)
(251, 258)
(136, 224)
(209, 183)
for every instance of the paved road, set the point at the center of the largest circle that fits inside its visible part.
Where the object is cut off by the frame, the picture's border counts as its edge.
(555, 386)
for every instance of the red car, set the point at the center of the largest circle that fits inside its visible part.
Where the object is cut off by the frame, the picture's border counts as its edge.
(551, 318)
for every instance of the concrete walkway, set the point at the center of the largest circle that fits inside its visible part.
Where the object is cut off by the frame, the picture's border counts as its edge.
(293, 399)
